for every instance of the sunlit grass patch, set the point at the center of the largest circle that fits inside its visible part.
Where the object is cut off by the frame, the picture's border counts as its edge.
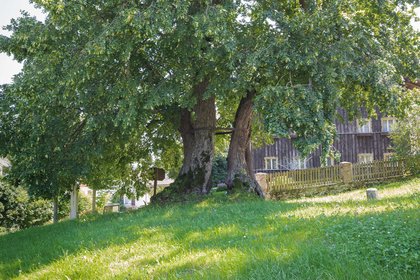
(224, 237)
(389, 190)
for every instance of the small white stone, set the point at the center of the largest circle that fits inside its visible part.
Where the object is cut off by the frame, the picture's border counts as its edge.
(372, 193)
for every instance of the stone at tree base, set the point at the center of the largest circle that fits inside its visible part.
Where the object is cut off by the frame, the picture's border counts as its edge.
(372, 194)
(262, 180)
(221, 187)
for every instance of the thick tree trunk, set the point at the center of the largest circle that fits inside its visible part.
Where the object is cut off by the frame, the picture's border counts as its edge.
(197, 132)
(240, 170)
(187, 133)
(55, 209)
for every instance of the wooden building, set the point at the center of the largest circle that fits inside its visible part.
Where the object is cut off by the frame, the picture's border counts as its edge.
(357, 141)
(4, 166)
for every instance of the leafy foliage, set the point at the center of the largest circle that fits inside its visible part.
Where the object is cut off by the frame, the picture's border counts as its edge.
(104, 82)
(406, 132)
(219, 173)
(83, 207)
(18, 211)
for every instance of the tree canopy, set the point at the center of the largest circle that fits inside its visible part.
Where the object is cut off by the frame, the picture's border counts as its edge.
(109, 85)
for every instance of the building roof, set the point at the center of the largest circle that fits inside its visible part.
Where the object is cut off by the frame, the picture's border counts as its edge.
(412, 85)
(4, 162)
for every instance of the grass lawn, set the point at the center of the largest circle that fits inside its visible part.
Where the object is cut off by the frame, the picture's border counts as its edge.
(335, 237)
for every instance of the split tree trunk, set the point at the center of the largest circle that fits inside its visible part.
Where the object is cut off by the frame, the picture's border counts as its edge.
(240, 170)
(197, 131)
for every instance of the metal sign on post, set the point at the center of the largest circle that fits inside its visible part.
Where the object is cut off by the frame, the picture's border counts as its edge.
(158, 175)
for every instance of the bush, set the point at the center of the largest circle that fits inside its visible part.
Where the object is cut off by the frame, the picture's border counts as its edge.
(84, 206)
(102, 199)
(406, 134)
(18, 210)
(219, 171)
(38, 212)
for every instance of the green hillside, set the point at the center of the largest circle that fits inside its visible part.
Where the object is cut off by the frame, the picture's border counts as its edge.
(231, 237)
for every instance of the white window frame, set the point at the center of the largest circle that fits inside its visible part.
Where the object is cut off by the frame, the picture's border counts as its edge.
(365, 157)
(330, 161)
(4, 166)
(298, 163)
(386, 125)
(271, 163)
(388, 156)
(4, 169)
(364, 126)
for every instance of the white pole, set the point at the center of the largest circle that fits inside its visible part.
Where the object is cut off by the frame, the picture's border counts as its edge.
(74, 202)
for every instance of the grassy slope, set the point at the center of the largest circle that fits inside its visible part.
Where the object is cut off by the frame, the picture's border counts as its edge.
(335, 237)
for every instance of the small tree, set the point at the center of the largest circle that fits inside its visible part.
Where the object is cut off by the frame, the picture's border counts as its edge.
(18, 210)
(406, 135)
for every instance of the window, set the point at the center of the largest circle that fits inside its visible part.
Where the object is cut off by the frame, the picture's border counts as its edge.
(330, 161)
(364, 158)
(271, 163)
(4, 170)
(388, 156)
(298, 163)
(388, 124)
(364, 126)
(4, 166)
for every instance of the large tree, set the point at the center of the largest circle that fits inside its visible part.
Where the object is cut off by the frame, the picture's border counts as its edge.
(119, 80)
(298, 61)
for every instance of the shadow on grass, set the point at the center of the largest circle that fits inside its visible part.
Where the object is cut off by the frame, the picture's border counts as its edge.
(31, 249)
(214, 237)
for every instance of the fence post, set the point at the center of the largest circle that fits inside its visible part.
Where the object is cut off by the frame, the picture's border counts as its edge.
(346, 172)
(262, 181)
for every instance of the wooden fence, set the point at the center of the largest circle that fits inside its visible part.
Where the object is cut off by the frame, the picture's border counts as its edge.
(334, 175)
(379, 170)
(297, 179)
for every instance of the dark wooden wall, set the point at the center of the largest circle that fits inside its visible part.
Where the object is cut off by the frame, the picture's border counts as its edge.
(349, 143)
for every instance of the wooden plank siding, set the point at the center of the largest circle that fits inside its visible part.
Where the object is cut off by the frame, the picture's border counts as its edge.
(349, 143)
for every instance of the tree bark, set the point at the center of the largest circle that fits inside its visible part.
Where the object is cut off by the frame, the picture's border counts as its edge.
(197, 132)
(240, 170)
(74, 201)
(55, 209)
(197, 128)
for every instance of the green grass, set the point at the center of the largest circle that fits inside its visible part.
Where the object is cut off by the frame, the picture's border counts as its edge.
(334, 237)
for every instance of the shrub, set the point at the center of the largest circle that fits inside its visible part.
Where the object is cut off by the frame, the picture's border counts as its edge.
(18, 210)
(406, 139)
(219, 171)
(83, 207)
(38, 212)
(101, 199)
